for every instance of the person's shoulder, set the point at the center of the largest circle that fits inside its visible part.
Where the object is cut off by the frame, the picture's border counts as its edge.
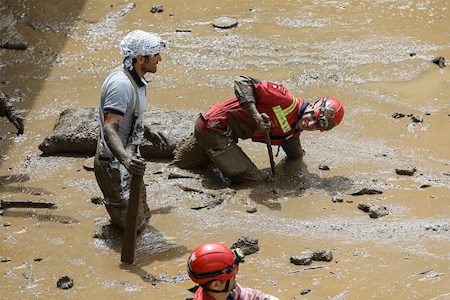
(118, 79)
(118, 75)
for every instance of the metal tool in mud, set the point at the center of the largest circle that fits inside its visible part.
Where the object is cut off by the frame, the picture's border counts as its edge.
(4, 204)
(269, 150)
(130, 231)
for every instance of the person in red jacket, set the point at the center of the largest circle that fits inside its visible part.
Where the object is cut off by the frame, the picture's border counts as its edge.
(260, 107)
(213, 267)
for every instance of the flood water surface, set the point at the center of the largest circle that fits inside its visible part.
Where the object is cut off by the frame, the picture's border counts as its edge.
(375, 56)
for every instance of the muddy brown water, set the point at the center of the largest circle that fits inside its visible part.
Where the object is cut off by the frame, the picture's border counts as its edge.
(373, 55)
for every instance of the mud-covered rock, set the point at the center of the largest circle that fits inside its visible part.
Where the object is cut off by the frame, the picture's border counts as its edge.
(64, 283)
(324, 167)
(301, 260)
(416, 118)
(322, 255)
(157, 9)
(225, 22)
(337, 198)
(76, 132)
(248, 245)
(365, 191)
(374, 211)
(305, 291)
(408, 170)
(398, 115)
(440, 61)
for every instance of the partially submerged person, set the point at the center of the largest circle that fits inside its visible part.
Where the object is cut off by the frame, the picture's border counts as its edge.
(213, 266)
(122, 108)
(9, 111)
(259, 108)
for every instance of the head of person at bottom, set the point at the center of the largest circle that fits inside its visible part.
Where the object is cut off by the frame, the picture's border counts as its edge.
(324, 114)
(213, 266)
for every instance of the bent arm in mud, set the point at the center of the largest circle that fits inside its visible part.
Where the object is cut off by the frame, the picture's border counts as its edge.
(9, 111)
(245, 93)
(112, 138)
(158, 139)
(244, 90)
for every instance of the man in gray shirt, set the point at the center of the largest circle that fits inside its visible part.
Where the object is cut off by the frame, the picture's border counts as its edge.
(122, 108)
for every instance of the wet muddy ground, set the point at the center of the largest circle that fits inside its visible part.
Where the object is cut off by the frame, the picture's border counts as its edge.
(375, 56)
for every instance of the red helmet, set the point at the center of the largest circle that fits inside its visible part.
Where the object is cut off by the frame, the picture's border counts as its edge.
(213, 261)
(329, 112)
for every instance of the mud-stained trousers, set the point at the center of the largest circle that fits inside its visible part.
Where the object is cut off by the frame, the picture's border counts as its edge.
(114, 182)
(217, 146)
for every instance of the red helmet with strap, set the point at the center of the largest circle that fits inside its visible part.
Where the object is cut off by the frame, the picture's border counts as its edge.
(328, 112)
(213, 261)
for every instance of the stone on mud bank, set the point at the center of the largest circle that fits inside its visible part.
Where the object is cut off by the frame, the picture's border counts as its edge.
(247, 244)
(374, 211)
(365, 191)
(408, 170)
(225, 22)
(76, 132)
(301, 260)
(440, 61)
(320, 255)
(64, 283)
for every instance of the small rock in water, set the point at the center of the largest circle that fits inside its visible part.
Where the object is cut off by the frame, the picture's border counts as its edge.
(65, 283)
(408, 170)
(157, 9)
(324, 167)
(322, 255)
(225, 22)
(248, 245)
(398, 115)
(440, 61)
(301, 260)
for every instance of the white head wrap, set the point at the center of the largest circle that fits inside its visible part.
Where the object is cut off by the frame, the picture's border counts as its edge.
(139, 42)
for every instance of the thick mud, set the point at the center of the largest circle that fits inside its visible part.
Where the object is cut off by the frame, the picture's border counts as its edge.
(375, 56)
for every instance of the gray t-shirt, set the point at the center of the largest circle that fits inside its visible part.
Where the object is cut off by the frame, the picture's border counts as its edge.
(118, 94)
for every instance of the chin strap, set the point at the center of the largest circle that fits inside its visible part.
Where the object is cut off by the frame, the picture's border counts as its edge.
(225, 290)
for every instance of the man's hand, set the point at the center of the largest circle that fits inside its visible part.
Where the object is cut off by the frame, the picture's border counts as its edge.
(158, 139)
(134, 165)
(263, 122)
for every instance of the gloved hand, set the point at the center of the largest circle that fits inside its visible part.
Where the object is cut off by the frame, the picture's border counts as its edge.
(158, 139)
(262, 122)
(134, 165)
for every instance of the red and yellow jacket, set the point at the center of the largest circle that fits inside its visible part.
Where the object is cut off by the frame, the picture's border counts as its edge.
(270, 98)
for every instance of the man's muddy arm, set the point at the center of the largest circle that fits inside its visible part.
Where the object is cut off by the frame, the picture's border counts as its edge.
(112, 138)
(245, 93)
